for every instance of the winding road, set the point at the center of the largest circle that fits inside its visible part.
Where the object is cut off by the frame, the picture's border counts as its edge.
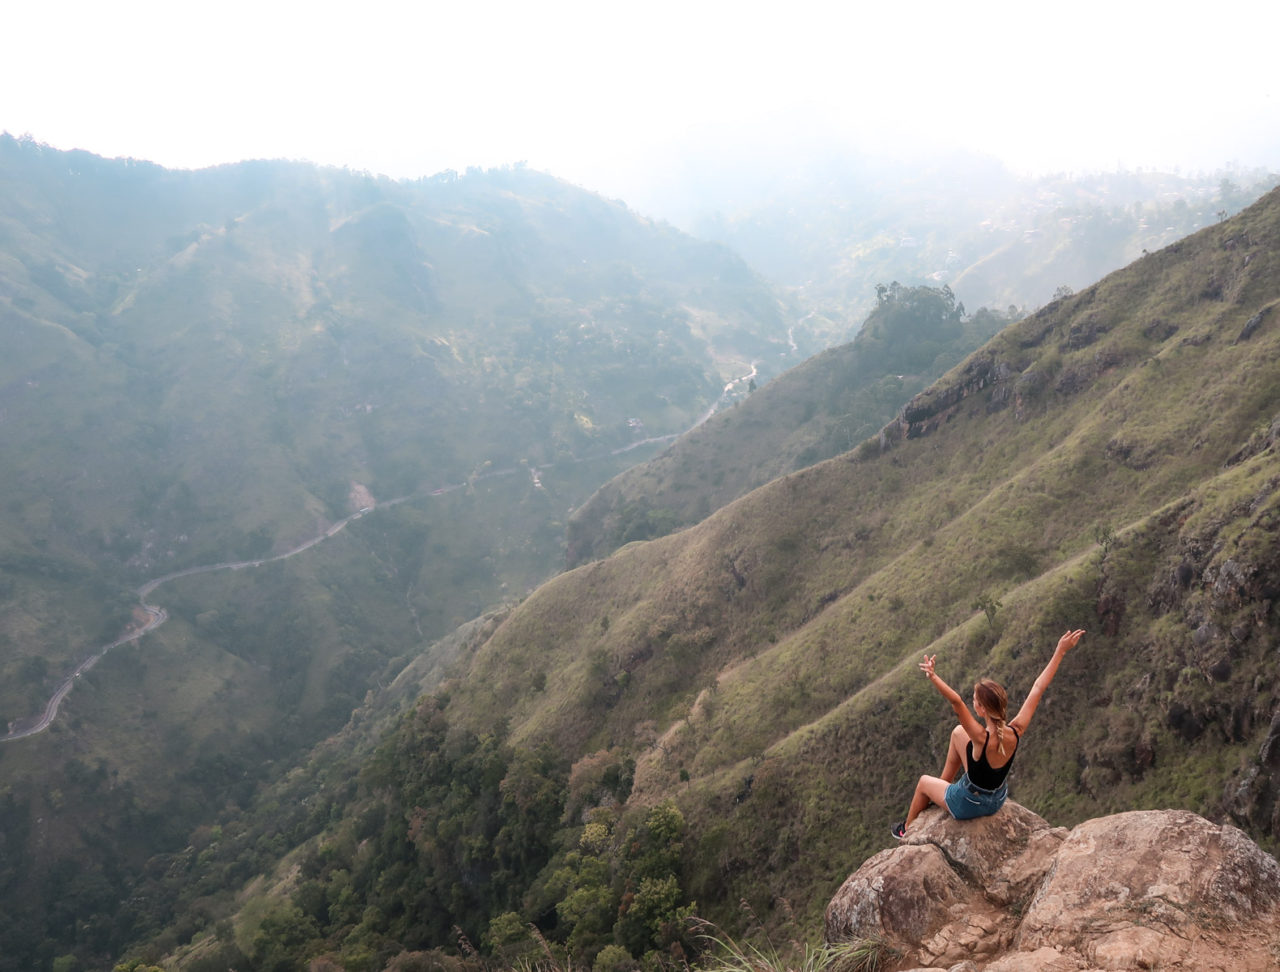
(156, 616)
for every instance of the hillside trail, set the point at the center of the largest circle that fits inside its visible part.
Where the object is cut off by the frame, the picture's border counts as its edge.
(156, 615)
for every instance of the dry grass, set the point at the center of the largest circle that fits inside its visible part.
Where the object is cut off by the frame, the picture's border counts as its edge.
(799, 609)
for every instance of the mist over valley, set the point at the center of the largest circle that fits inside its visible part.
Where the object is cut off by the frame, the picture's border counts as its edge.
(473, 553)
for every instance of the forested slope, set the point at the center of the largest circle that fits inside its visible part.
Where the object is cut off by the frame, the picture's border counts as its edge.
(216, 367)
(733, 712)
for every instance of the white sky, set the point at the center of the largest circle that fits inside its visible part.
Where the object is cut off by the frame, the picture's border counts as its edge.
(602, 93)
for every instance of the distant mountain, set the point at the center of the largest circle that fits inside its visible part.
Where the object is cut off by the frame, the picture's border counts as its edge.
(218, 367)
(831, 231)
(733, 713)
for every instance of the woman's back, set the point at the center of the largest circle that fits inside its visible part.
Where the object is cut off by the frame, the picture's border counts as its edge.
(989, 768)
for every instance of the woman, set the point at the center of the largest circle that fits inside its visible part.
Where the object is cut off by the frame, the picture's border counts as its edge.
(981, 791)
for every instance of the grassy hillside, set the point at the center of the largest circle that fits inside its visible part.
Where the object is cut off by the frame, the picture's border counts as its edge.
(218, 366)
(733, 712)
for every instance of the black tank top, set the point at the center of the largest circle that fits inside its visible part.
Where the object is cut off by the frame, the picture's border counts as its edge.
(982, 773)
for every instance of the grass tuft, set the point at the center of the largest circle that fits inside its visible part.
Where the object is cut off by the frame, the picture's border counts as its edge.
(730, 955)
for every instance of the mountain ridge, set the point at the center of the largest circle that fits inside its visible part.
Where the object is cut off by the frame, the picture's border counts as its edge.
(1111, 448)
(1109, 462)
(215, 366)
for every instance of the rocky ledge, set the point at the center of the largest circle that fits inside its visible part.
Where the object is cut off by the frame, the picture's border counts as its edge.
(1151, 889)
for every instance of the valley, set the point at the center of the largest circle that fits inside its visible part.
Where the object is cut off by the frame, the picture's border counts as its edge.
(228, 351)
(696, 720)
(156, 616)
(663, 538)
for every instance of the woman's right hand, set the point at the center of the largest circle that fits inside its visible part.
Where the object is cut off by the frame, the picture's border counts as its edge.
(926, 666)
(1070, 640)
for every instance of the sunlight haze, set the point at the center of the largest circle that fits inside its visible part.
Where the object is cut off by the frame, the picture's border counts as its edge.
(609, 96)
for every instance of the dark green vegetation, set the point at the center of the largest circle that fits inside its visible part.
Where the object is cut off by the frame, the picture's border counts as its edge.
(1111, 462)
(817, 410)
(215, 366)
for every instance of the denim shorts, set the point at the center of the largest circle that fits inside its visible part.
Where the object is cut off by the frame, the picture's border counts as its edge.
(966, 801)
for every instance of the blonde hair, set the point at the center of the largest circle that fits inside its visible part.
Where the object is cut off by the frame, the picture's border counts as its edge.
(995, 701)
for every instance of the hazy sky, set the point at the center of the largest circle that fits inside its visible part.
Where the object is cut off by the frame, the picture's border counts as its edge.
(604, 94)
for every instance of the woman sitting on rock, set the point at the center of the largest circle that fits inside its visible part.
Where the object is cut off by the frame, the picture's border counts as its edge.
(981, 791)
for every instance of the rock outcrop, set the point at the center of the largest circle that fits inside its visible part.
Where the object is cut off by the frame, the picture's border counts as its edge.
(1150, 889)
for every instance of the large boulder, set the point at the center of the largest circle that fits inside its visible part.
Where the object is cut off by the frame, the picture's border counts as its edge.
(1149, 889)
(1159, 888)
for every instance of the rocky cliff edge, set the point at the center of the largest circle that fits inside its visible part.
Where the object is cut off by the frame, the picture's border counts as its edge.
(1150, 889)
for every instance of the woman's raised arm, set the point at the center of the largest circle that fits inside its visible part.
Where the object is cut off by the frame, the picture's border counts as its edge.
(967, 719)
(1065, 644)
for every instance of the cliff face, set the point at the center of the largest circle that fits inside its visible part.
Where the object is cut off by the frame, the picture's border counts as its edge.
(1148, 889)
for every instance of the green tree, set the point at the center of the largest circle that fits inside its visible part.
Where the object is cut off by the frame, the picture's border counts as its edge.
(988, 605)
(281, 939)
(587, 905)
(1105, 537)
(647, 913)
(510, 937)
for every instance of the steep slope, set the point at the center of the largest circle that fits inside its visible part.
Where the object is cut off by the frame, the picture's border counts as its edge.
(1111, 462)
(771, 648)
(218, 367)
(817, 410)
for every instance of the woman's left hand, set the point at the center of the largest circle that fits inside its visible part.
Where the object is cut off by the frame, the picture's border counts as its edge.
(926, 666)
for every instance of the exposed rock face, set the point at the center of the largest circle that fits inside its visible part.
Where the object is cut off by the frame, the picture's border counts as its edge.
(934, 406)
(1149, 889)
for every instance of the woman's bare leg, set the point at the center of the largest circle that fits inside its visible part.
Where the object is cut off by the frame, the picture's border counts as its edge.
(933, 789)
(957, 761)
(929, 789)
